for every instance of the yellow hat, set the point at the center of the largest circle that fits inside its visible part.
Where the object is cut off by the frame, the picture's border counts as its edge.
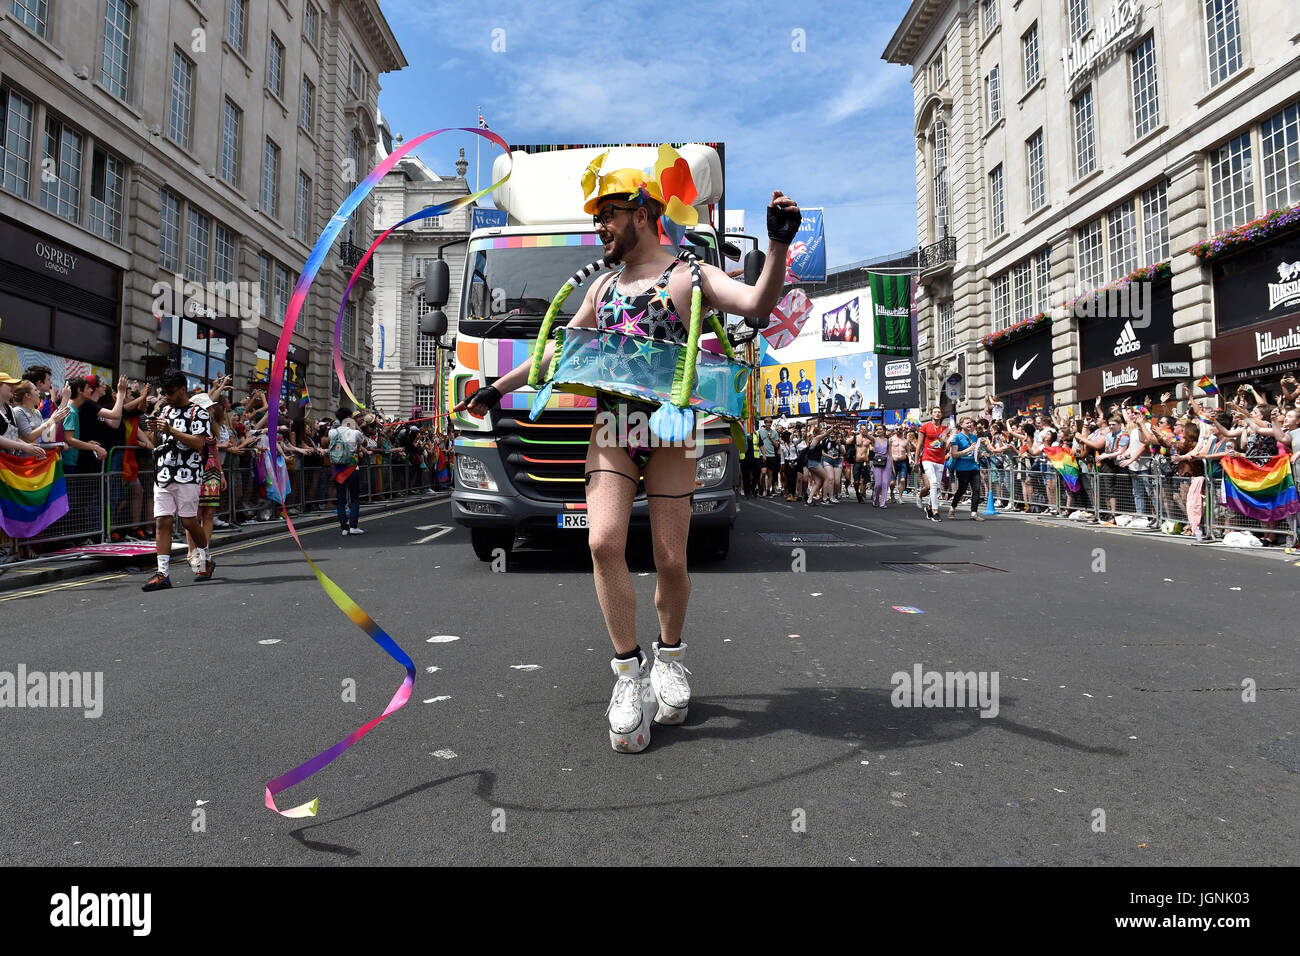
(629, 183)
(624, 183)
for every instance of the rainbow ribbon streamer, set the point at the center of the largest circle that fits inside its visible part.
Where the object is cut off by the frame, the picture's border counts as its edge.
(437, 210)
(336, 594)
(1066, 465)
(1264, 492)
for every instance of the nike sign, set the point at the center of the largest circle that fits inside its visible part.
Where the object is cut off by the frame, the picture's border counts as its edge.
(1019, 370)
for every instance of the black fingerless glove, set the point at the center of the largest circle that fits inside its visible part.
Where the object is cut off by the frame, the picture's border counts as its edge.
(488, 395)
(783, 223)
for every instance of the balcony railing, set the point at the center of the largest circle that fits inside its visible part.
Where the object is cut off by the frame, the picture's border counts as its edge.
(938, 254)
(350, 255)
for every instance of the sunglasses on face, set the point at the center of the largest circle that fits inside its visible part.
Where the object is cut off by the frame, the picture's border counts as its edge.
(607, 214)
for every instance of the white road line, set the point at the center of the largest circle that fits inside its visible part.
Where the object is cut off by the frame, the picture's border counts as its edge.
(860, 528)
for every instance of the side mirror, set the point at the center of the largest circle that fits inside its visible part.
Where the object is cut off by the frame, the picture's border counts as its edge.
(754, 262)
(731, 250)
(437, 285)
(434, 323)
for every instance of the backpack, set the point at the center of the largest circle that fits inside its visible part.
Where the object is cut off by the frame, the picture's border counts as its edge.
(340, 454)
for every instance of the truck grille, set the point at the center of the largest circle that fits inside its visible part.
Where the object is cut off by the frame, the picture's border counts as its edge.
(546, 458)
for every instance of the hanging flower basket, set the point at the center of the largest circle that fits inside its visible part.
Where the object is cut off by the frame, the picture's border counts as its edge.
(1152, 273)
(1018, 331)
(1248, 234)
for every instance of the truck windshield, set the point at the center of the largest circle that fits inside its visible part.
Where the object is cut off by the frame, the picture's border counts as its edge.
(522, 281)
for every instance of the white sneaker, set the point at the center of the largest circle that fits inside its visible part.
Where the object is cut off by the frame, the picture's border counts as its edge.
(668, 680)
(345, 532)
(355, 531)
(629, 707)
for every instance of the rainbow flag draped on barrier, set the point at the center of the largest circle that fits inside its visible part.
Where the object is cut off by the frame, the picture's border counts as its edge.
(1264, 492)
(1066, 465)
(33, 494)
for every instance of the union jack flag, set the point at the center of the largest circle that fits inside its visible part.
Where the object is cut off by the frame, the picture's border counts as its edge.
(787, 318)
(482, 123)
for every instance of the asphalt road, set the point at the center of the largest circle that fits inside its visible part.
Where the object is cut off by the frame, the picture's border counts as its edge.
(1120, 690)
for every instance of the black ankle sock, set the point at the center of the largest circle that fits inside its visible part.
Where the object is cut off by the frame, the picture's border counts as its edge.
(631, 655)
(663, 644)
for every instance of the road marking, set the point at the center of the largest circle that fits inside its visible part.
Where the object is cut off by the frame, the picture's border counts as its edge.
(859, 527)
(62, 587)
(437, 534)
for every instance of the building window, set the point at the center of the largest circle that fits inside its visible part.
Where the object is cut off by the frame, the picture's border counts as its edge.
(1122, 227)
(307, 107)
(990, 17)
(1085, 136)
(938, 71)
(997, 205)
(993, 95)
(169, 232)
(1033, 65)
(107, 175)
(302, 210)
(350, 329)
(947, 331)
(237, 26)
(421, 265)
(30, 13)
(311, 24)
(198, 231)
(1078, 19)
(232, 135)
(1146, 93)
(1037, 171)
(275, 66)
(61, 195)
(1280, 145)
(1223, 39)
(15, 142)
(940, 180)
(1155, 223)
(264, 282)
(431, 222)
(425, 345)
(1043, 278)
(115, 66)
(1022, 277)
(1090, 256)
(356, 76)
(223, 260)
(425, 397)
(1002, 301)
(182, 107)
(271, 181)
(280, 297)
(202, 353)
(1232, 184)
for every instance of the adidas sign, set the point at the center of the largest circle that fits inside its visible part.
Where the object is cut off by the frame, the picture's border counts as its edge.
(1128, 341)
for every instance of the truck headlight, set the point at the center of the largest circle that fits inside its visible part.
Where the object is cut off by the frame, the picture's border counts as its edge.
(711, 469)
(473, 474)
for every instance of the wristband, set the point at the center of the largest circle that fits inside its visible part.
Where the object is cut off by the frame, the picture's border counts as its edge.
(783, 223)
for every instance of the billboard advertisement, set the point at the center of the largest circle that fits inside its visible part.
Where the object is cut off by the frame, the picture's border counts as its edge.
(807, 253)
(841, 324)
(788, 390)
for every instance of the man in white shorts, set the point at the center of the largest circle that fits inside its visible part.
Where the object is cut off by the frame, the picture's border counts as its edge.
(179, 432)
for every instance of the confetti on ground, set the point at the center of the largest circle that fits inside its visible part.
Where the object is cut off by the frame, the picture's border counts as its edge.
(1230, 589)
(1087, 695)
(1058, 791)
(908, 610)
(726, 640)
(442, 639)
(793, 637)
(865, 763)
(816, 594)
(199, 803)
(444, 754)
(525, 667)
(270, 640)
(434, 700)
(433, 668)
(1170, 580)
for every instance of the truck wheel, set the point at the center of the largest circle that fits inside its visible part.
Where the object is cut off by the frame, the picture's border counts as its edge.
(487, 540)
(712, 542)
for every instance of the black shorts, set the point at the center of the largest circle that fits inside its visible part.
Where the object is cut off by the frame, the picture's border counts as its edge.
(861, 470)
(772, 464)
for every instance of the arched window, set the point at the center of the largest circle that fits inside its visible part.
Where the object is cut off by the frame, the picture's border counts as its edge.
(940, 180)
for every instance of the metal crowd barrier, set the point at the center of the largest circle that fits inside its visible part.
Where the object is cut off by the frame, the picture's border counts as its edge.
(117, 503)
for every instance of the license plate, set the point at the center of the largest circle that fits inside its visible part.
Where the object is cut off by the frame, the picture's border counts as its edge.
(569, 521)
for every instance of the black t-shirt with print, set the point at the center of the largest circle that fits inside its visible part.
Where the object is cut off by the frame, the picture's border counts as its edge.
(174, 462)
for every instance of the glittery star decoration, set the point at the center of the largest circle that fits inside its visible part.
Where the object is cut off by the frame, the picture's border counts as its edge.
(617, 361)
(617, 303)
(630, 324)
(646, 350)
(662, 295)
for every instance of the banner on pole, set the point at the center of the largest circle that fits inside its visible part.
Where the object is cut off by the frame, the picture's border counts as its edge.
(891, 307)
(807, 254)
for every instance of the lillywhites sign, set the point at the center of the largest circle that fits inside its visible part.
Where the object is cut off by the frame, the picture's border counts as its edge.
(1267, 344)
(1286, 292)
(1117, 26)
(1113, 380)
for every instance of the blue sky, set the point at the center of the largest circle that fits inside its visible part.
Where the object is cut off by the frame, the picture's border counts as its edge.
(831, 126)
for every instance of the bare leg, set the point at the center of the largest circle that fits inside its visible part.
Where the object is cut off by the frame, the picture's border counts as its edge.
(670, 482)
(611, 487)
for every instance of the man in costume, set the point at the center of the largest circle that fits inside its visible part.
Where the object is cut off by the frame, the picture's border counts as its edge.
(649, 296)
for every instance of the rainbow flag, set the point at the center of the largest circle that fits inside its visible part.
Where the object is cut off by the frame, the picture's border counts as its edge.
(302, 402)
(33, 494)
(1206, 385)
(1264, 492)
(1065, 463)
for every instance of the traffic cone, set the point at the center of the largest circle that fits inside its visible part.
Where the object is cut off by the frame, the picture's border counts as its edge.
(988, 507)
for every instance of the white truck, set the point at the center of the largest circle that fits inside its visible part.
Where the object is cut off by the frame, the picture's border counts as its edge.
(519, 477)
